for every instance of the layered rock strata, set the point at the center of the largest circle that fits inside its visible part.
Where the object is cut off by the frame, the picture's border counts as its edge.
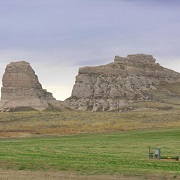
(21, 88)
(112, 86)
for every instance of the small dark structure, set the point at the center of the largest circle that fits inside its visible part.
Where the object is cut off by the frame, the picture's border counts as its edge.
(157, 155)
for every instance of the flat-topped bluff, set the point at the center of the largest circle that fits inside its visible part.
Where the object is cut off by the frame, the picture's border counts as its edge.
(21, 88)
(128, 79)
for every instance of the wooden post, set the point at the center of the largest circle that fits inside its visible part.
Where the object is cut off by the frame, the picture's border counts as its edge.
(159, 155)
(177, 157)
(149, 153)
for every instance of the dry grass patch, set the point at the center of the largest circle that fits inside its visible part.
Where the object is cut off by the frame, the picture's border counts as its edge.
(74, 122)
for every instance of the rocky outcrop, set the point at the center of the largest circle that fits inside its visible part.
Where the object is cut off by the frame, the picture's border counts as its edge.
(21, 88)
(127, 79)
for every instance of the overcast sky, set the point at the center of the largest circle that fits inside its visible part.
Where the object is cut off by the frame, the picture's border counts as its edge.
(58, 36)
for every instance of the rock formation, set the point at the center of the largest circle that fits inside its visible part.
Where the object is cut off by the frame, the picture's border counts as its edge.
(133, 78)
(21, 88)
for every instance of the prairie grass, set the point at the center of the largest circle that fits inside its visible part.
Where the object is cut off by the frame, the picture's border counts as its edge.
(75, 122)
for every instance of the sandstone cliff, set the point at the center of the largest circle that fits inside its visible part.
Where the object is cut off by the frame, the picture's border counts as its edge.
(128, 79)
(21, 88)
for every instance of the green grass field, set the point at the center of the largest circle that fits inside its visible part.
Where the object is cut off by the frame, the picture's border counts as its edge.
(121, 153)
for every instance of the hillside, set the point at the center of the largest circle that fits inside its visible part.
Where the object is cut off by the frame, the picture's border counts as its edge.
(34, 123)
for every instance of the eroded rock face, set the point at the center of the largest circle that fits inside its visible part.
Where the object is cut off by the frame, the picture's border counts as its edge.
(112, 86)
(21, 88)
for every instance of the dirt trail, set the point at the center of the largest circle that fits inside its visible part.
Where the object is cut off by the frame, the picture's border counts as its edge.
(40, 175)
(61, 175)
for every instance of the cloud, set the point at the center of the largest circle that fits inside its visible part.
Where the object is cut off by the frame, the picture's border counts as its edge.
(58, 36)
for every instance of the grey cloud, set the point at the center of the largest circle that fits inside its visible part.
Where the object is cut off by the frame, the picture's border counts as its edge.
(57, 34)
(79, 29)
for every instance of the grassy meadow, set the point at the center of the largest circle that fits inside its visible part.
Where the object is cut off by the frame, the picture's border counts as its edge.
(120, 153)
(91, 143)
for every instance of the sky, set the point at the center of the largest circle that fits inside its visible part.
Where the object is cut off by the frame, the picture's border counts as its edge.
(58, 36)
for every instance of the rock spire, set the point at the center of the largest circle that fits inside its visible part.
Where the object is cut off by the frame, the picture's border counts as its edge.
(21, 88)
